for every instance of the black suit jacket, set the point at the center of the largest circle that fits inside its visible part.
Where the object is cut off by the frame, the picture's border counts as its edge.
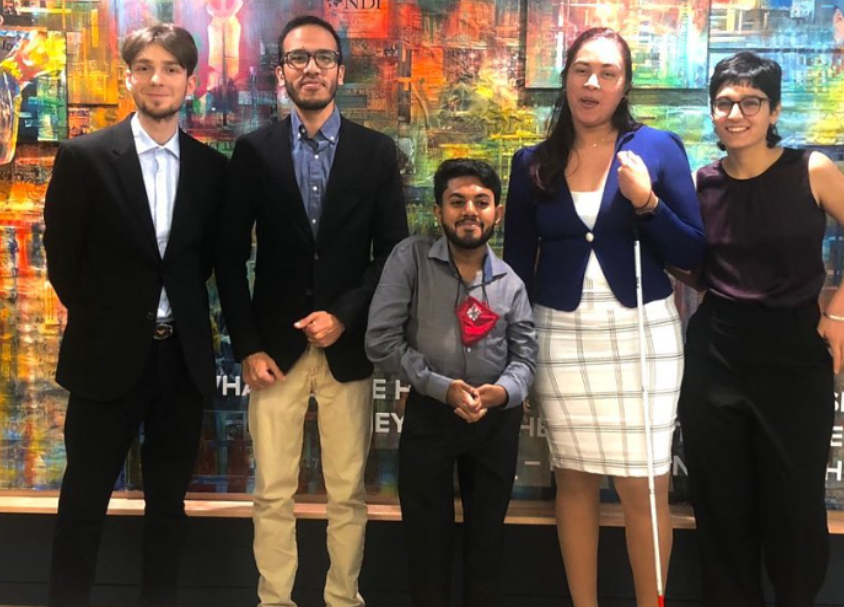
(363, 217)
(103, 260)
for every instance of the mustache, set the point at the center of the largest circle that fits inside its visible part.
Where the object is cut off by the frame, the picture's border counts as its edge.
(461, 222)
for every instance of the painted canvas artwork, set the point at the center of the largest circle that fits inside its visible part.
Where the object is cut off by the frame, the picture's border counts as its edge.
(668, 40)
(444, 78)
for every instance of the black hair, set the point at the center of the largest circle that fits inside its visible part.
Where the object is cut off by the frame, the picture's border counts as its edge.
(302, 21)
(466, 167)
(552, 155)
(749, 69)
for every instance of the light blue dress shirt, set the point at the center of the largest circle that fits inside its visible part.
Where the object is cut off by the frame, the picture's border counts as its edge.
(312, 160)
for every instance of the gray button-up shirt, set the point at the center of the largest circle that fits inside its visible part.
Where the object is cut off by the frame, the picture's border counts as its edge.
(312, 160)
(414, 332)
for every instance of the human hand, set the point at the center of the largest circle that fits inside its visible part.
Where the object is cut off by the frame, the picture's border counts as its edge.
(833, 333)
(492, 395)
(470, 417)
(634, 181)
(462, 396)
(321, 328)
(260, 371)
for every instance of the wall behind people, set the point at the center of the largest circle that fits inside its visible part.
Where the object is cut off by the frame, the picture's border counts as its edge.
(445, 78)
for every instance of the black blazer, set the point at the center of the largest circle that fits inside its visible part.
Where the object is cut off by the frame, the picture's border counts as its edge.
(103, 260)
(363, 217)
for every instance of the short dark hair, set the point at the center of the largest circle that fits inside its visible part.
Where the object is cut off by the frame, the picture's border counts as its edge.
(749, 69)
(302, 21)
(174, 39)
(466, 167)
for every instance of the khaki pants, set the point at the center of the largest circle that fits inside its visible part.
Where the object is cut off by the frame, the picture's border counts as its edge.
(276, 423)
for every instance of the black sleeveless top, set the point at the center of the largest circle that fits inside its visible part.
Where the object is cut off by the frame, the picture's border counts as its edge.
(764, 234)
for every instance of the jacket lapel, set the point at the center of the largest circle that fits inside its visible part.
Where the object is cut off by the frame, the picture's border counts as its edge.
(343, 171)
(128, 169)
(189, 172)
(278, 147)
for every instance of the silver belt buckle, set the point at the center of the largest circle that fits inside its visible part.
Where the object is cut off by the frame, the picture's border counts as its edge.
(163, 330)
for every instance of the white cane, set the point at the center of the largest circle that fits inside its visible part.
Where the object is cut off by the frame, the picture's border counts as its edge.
(646, 409)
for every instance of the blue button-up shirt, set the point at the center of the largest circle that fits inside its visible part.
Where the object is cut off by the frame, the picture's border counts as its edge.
(312, 160)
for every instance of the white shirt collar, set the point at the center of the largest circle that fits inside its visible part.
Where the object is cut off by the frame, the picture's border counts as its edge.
(145, 143)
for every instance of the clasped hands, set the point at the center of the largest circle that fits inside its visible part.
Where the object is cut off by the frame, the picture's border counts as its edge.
(471, 403)
(321, 328)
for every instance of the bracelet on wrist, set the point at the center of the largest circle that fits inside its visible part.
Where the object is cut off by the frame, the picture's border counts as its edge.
(649, 206)
(834, 317)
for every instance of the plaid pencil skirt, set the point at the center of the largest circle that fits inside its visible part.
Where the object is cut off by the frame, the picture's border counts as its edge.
(589, 388)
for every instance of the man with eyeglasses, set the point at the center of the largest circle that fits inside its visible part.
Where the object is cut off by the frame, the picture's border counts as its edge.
(325, 198)
(131, 216)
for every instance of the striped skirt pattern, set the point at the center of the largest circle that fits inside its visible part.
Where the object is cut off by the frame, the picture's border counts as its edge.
(588, 383)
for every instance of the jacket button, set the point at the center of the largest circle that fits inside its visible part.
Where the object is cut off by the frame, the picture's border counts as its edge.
(316, 256)
(309, 292)
(590, 237)
(150, 315)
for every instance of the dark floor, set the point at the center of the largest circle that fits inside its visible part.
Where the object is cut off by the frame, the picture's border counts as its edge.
(218, 570)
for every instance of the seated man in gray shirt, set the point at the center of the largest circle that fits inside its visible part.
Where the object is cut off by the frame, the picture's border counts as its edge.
(455, 322)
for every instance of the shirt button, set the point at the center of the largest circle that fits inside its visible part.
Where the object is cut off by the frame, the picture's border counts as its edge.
(316, 189)
(468, 349)
(316, 156)
(590, 237)
(313, 221)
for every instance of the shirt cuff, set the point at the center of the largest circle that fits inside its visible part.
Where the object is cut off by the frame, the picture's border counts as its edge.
(437, 387)
(514, 396)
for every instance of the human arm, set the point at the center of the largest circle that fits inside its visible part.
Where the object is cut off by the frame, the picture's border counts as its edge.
(234, 248)
(675, 228)
(211, 236)
(65, 214)
(512, 386)
(521, 237)
(389, 226)
(387, 344)
(827, 183)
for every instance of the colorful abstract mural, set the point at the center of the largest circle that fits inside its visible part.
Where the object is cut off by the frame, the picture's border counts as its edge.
(444, 78)
(668, 40)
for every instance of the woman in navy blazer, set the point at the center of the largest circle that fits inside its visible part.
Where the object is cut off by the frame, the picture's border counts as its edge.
(575, 202)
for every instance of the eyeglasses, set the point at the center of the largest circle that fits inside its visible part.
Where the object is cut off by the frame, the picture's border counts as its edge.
(300, 58)
(749, 106)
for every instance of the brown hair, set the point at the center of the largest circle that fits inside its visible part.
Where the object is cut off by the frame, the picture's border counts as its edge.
(175, 40)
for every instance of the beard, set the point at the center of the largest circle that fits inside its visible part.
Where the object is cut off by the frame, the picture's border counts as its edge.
(160, 113)
(469, 241)
(310, 104)
(157, 114)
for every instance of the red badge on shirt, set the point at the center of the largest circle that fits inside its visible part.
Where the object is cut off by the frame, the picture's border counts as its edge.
(476, 320)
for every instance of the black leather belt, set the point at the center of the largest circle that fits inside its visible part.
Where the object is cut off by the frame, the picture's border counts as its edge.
(163, 330)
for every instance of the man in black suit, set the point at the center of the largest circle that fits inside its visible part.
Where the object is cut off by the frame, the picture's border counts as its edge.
(131, 218)
(325, 197)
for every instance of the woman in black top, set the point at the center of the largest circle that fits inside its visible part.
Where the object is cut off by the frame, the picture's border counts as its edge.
(756, 405)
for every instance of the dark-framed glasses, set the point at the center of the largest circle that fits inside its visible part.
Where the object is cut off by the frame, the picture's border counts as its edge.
(300, 58)
(749, 105)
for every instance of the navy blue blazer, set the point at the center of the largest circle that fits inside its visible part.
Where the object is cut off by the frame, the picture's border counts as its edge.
(551, 227)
